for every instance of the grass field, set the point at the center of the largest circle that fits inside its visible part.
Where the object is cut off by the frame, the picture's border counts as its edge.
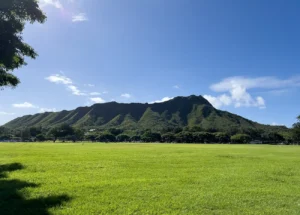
(87, 179)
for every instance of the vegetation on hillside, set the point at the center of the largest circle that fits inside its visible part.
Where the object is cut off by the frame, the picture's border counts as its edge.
(181, 120)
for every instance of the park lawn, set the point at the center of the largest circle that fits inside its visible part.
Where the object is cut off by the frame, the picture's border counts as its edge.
(47, 178)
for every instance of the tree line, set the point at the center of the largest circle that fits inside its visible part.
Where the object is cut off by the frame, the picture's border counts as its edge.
(194, 134)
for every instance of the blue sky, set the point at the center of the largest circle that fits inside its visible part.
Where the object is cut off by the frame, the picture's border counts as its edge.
(243, 56)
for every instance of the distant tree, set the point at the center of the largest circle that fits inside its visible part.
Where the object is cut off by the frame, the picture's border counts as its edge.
(78, 134)
(135, 138)
(168, 138)
(296, 131)
(273, 137)
(40, 138)
(123, 138)
(91, 137)
(25, 134)
(184, 137)
(222, 137)
(106, 137)
(203, 137)
(62, 132)
(5, 137)
(177, 130)
(149, 136)
(14, 14)
(240, 138)
(34, 131)
(115, 131)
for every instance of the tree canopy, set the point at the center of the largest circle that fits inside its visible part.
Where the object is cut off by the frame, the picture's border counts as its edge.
(14, 14)
(296, 130)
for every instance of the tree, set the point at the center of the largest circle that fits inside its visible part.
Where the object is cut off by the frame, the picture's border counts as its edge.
(168, 137)
(13, 16)
(272, 137)
(40, 138)
(184, 137)
(106, 137)
(222, 137)
(296, 131)
(135, 138)
(240, 138)
(25, 134)
(115, 131)
(91, 137)
(61, 132)
(78, 134)
(149, 136)
(203, 137)
(35, 131)
(123, 138)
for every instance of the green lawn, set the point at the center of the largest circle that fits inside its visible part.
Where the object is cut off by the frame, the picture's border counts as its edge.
(120, 178)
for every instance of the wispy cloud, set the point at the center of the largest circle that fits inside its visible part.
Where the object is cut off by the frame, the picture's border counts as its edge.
(89, 85)
(59, 79)
(54, 3)
(97, 100)
(75, 91)
(67, 6)
(81, 17)
(126, 95)
(43, 110)
(276, 124)
(62, 79)
(251, 83)
(24, 105)
(176, 87)
(6, 113)
(162, 100)
(95, 94)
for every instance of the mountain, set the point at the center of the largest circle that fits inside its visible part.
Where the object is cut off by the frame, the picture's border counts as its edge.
(178, 112)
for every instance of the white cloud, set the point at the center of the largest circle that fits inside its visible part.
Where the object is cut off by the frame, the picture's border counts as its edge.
(95, 94)
(104, 92)
(55, 3)
(97, 100)
(43, 110)
(176, 87)
(126, 95)
(89, 85)
(236, 90)
(250, 83)
(75, 90)
(24, 105)
(62, 79)
(162, 100)
(6, 113)
(59, 79)
(277, 124)
(81, 17)
(216, 101)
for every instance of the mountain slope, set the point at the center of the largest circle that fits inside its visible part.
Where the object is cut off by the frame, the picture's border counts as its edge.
(178, 112)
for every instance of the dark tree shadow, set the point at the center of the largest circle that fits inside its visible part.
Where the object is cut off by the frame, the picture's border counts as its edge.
(13, 202)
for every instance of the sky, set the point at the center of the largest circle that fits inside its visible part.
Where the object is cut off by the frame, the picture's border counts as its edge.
(243, 56)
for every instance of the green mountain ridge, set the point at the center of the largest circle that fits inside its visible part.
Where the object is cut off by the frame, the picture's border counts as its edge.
(177, 112)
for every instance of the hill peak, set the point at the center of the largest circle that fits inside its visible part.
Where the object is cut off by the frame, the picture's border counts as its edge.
(181, 111)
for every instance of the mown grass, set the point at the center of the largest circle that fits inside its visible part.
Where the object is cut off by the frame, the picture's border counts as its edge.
(89, 178)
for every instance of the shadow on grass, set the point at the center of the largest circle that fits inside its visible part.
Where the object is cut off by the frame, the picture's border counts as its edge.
(13, 202)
